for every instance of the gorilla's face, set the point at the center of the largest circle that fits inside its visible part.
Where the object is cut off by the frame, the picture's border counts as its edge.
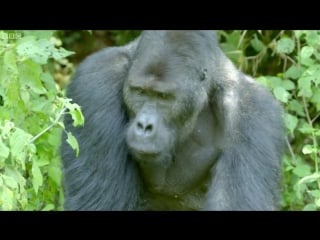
(164, 94)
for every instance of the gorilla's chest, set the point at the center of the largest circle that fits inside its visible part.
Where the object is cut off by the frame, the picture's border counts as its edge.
(192, 200)
(183, 184)
(175, 188)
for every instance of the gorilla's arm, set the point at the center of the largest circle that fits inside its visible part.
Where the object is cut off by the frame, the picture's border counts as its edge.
(247, 172)
(102, 177)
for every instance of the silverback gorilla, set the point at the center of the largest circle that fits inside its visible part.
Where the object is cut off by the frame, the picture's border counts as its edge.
(171, 124)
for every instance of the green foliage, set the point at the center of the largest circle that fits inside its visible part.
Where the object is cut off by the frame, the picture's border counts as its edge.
(121, 37)
(285, 45)
(302, 176)
(31, 111)
(295, 83)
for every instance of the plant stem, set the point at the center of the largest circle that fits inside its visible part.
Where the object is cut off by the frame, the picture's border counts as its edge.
(50, 126)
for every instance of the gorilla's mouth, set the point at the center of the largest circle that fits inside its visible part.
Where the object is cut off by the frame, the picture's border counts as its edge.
(146, 155)
(144, 151)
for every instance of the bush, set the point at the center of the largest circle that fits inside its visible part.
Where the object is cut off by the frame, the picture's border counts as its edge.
(31, 108)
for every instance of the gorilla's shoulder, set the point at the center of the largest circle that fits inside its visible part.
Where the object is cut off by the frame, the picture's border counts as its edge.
(259, 96)
(100, 77)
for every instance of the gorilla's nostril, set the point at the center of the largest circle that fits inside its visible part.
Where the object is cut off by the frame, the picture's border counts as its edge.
(139, 125)
(149, 128)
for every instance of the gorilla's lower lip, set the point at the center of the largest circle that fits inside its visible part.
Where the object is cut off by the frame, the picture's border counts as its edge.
(142, 152)
(144, 149)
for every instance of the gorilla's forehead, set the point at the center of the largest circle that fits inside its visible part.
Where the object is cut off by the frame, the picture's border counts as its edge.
(178, 46)
(178, 35)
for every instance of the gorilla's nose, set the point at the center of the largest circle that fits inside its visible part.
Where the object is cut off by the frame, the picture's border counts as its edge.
(145, 125)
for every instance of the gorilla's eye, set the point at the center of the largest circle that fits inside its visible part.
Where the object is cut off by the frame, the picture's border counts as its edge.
(137, 90)
(152, 93)
(164, 95)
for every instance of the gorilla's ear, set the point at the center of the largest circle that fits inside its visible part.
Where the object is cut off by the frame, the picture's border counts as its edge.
(203, 74)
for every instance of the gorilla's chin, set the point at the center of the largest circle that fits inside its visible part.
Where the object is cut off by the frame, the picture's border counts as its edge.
(142, 154)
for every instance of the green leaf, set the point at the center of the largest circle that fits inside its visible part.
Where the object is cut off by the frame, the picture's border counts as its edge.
(41, 106)
(299, 33)
(264, 81)
(25, 96)
(4, 151)
(48, 207)
(306, 128)
(6, 198)
(46, 47)
(306, 52)
(10, 182)
(293, 72)
(16, 174)
(29, 76)
(288, 85)
(6, 128)
(32, 49)
(55, 174)
(307, 61)
(61, 53)
(313, 72)
(310, 207)
(48, 81)
(285, 46)
(315, 193)
(297, 107)
(304, 84)
(75, 111)
(37, 179)
(54, 139)
(43, 161)
(234, 37)
(274, 81)
(317, 132)
(73, 143)
(18, 141)
(313, 38)
(291, 122)
(10, 63)
(308, 149)
(281, 94)
(13, 93)
(316, 95)
(317, 55)
(257, 44)
(302, 170)
(78, 119)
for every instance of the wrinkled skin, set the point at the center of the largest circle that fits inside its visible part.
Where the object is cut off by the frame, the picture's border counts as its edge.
(171, 124)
